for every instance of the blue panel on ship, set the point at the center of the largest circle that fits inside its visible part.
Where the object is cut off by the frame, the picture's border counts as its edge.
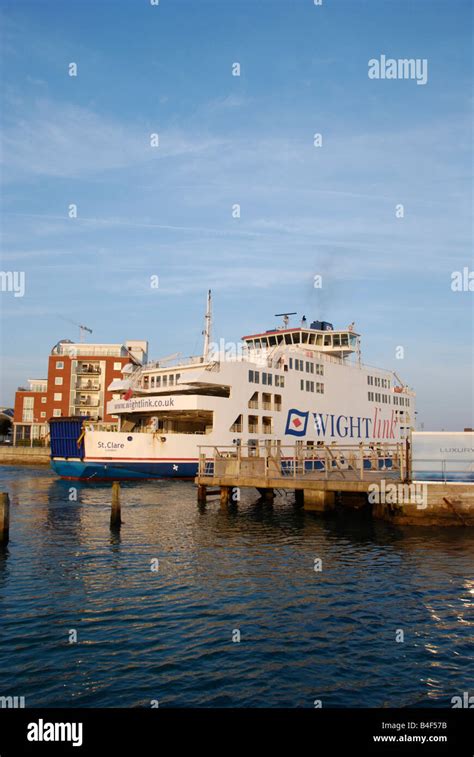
(65, 434)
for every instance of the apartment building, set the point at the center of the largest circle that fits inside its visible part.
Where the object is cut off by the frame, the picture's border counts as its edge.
(76, 384)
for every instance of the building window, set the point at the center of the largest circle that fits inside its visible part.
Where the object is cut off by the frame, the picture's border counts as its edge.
(267, 425)
(59, 365)
(43, 400)
(253, 401)
(117, 366)
(319, 388)
(237, 425)
(302, 384)
(319, 369)
(58, 380)
(43, 414)
(58, 396)
(57, 412)
(253, 424)
(152, 382)
(171, 380)
(165, 380)
(158, 382)
(266, 401)
(28, 403)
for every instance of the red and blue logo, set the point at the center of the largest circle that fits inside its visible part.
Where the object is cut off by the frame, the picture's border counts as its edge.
(296, 422)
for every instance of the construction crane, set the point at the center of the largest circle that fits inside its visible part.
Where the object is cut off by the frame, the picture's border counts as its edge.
(82, 329)
(402, 383)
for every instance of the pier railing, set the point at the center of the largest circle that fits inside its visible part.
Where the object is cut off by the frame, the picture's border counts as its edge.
(356, 462)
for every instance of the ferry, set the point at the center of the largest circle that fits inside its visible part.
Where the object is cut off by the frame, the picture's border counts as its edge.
(302, 383)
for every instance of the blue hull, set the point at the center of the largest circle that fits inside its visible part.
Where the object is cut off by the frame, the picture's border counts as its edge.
(116, 471)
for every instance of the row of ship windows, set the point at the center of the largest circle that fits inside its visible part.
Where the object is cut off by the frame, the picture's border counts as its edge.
(311, 386)
(253, 425)
(156, 382)
(267, 378)
(385, 398)
(378, 381)
(301, 365)
(268, 401)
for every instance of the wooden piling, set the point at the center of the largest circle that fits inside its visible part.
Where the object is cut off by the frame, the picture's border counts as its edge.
(225, 496)
(4, 518)
(202, 494)
(115, 514)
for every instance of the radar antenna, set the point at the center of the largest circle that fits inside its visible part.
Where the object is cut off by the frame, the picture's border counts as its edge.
(286, 318)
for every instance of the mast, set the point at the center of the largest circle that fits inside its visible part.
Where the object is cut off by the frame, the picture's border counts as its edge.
(207, 328)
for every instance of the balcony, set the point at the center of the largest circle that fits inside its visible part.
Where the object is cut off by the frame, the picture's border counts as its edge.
(87, 403)
(87, 370)
(89, 386)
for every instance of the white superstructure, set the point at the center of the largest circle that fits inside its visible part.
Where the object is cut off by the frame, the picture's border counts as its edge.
(303, 383)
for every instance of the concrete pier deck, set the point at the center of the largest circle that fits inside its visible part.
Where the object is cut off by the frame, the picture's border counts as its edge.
(354, 476)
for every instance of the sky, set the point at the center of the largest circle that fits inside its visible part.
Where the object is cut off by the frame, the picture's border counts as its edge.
(168, 211)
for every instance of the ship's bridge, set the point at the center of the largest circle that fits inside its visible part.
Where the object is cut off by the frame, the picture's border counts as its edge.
(338, 342)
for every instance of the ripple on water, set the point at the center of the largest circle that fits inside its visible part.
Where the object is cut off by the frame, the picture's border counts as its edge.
(168, 635)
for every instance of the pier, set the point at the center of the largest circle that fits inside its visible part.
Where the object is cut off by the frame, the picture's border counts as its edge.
(375, 475)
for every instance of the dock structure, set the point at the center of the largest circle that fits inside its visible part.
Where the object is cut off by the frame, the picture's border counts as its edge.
(315, 474)
(366, 474)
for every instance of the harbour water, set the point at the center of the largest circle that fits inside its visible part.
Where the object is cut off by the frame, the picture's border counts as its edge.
(167, 634)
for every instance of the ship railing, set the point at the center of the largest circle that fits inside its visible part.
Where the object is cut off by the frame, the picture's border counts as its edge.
(349, 462)
(174, 363)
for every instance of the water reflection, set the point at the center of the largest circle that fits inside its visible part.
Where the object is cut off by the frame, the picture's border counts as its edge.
(166, 634)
